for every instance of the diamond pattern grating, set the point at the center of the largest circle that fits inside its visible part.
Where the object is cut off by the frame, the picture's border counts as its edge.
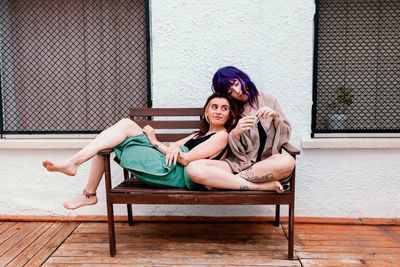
(71, 66)
(358, 66)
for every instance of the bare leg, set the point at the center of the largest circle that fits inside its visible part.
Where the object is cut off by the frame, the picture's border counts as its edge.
(96, 173)
(109, 138)
(218, 174)
(274, 168)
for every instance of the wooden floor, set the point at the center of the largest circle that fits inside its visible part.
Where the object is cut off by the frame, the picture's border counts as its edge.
(196, 244)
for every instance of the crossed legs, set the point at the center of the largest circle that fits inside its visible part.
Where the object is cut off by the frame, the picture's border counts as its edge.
(263, 175)
(108, 138)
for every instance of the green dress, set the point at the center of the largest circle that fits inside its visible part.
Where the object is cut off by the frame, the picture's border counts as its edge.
(138, 155)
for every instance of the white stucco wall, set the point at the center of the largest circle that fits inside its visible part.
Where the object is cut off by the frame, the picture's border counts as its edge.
(272, 41)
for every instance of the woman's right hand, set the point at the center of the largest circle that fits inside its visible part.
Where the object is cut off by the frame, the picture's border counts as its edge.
(172, 154)
(244, 124)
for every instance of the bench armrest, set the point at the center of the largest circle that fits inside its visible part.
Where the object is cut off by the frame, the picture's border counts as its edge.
(290, 149)
(105, 151)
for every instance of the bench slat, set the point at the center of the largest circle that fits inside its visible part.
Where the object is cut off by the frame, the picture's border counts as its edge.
(171, 137)
(189, 124)
(201, 199)
(166, 112)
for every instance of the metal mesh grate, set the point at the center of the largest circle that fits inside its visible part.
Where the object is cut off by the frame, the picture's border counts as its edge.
(358, 73)
(71, 66)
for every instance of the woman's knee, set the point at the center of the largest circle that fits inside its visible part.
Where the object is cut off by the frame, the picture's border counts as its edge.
(288, 163)
(285, 162)
(126, 122)
(129, 125)
(194, 170)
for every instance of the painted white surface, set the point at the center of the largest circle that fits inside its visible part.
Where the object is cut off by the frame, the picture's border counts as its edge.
(390, 143)
(272, 41)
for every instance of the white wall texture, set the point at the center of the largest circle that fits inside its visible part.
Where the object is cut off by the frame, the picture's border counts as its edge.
(272, 41)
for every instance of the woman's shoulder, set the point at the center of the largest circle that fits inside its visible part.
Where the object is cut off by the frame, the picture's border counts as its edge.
(213, 135)
(221, 134)
(266, 99)
(266, 96)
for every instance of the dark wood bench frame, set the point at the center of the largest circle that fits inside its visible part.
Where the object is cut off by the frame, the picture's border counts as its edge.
(132, 191)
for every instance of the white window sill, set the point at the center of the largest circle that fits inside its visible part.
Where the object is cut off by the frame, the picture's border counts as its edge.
(307, 143)
(368, 143)
(43, 143)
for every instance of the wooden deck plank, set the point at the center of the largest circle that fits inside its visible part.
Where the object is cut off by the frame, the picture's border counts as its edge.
(9, 232)
(156, 227)
(179, 237)
(332, 227)
(393, 232)
(37, 245)
(350, 256)
(130, 265)
(51, 246)
(376, 221)
(344, 237)
(23, 243)
(5, 226)
(346, 243)
(79, 249)
(347, 262)
(330, 263)
(350, 249)
(153, 265)
(151, 258)
(18, 233)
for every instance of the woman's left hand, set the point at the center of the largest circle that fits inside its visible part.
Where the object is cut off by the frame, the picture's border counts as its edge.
(266, 112)
(173, 152)
(151, 134)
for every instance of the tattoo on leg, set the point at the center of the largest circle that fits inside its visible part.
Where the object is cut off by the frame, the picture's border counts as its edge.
(244, 187)
(249, 176)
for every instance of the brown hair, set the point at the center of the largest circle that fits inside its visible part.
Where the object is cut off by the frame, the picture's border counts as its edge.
(234, 114)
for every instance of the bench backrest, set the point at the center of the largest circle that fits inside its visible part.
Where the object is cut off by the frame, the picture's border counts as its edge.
(176, 123)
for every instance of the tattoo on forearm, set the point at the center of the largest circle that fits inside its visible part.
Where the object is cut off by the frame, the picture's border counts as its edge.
(244, 187)
(249, 176)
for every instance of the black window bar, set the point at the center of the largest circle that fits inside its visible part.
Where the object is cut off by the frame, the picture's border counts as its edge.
(356, 67)
(72, 66)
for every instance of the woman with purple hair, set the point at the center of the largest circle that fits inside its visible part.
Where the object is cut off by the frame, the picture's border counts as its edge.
(254, 142)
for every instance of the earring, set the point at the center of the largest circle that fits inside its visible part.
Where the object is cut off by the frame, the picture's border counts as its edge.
(205, 116)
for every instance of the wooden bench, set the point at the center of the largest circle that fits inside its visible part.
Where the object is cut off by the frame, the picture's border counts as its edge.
(132, 191)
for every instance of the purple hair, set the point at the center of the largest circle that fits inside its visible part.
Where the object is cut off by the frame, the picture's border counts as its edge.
(224, 77)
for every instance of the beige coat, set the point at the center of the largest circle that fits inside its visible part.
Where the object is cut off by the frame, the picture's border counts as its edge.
(244, 151)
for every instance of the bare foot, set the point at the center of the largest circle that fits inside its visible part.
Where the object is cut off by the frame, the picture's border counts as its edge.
(80, 201)
(275, 186)
(64, 166)
(278, 187)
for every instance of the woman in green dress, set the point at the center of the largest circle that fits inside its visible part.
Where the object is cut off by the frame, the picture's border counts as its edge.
(161, 165)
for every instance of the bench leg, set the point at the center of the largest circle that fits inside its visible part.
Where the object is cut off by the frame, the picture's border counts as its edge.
(277, 214)
(111, 229)
(291, 231)
(110, 211)
(128, 206)
(130, 216)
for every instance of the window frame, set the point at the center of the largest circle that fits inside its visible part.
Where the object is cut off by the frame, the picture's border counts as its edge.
(315, 133)
(79, 134)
